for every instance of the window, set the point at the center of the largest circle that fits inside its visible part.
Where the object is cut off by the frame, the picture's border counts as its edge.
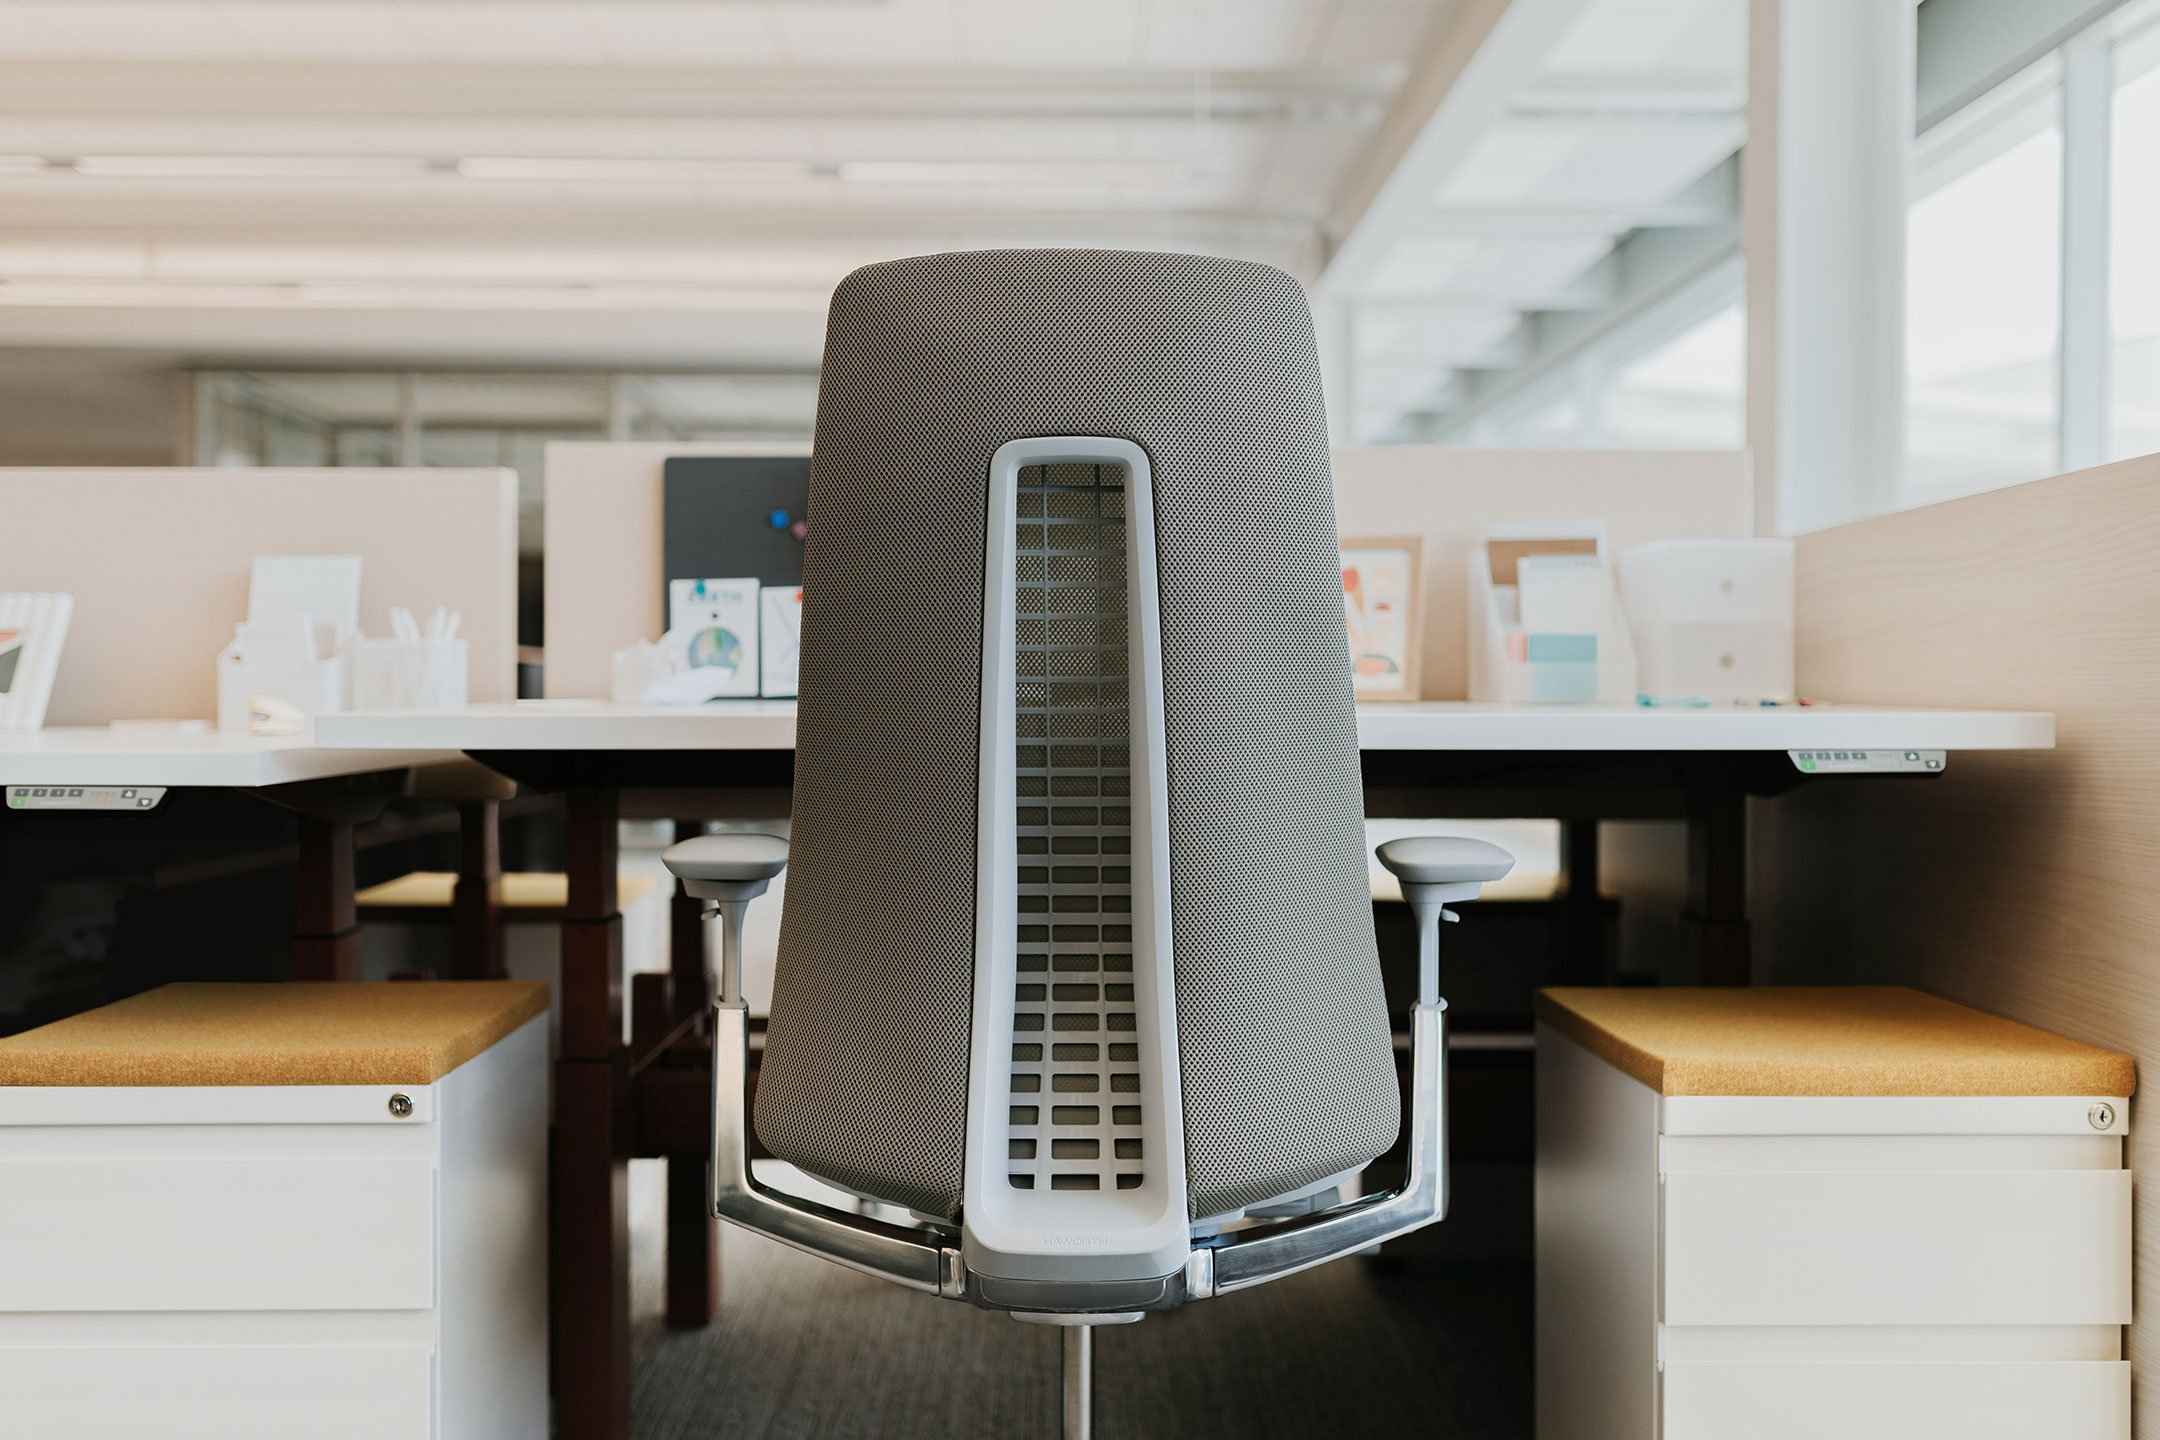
(301, 417)
(1983, 292)
(1672, 378)
(2134, 247)
(1687, 393)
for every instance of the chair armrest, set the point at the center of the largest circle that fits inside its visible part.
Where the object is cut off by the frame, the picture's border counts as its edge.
(732, 858)
(1445, 860)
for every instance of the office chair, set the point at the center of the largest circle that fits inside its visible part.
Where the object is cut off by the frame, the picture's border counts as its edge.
(1076, 962)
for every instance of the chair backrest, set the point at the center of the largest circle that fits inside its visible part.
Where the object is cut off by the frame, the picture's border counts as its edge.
(1078, 939)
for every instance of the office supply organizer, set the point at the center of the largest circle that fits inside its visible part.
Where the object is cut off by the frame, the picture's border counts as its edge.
(1545, 624)
(1712, 619)
(395, 674)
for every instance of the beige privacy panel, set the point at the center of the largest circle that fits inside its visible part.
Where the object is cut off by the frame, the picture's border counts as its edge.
(158, 562)
(1444, 495)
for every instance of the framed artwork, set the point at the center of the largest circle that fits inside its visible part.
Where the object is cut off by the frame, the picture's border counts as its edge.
(1382, 602)
(32, 629)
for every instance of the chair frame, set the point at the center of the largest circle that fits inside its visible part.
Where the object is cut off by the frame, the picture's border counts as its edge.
(929, 1259)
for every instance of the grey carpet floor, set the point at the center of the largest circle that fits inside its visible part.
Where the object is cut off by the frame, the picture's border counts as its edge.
(805, 1350)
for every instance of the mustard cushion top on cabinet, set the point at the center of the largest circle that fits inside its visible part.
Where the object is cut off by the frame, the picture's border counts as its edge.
(352, 1033)
(1824, 1040)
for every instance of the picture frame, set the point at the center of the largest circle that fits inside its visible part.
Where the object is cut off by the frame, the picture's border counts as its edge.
(33, 629)
(1384, 608)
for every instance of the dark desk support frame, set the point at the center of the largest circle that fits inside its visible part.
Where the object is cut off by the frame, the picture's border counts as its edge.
(326, 918)
(1716, 918)
(693, 1235)
(476, 932)
(1584, 953)
(591, 1285)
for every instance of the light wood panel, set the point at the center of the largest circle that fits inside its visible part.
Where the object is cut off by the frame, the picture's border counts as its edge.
(158, 561)
(2024, 884)
(1444, 495)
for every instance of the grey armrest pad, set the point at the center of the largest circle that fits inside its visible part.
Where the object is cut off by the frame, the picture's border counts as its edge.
(735, 857)
(1445, 860)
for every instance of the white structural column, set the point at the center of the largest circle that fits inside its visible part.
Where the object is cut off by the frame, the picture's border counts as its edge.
(2088, 97)
(1823, 201)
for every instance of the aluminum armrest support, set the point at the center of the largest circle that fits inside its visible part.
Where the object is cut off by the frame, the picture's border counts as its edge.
(913, 1258)
(918, 1260)
(1254, 1257)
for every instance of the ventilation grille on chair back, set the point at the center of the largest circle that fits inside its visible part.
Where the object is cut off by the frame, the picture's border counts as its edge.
(1075, 1115)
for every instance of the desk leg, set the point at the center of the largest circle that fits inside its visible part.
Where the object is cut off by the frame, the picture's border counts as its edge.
(1716, 918)
(693, 1235)
(476, 932)
(591, 1289)
(326, 928)
(1583, 962)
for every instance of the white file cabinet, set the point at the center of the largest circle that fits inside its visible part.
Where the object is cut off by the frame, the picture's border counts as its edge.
(1854, 1212)
(256, 1212)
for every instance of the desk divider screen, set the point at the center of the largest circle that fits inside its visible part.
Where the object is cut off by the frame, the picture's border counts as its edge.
(158, 563)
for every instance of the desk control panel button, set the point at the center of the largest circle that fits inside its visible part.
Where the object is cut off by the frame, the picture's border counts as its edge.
(135, 798)
(1868, 762)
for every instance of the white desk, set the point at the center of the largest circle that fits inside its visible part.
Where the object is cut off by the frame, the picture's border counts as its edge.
(95, 755)
(1577, 763)
(596, 725)
(330, 790)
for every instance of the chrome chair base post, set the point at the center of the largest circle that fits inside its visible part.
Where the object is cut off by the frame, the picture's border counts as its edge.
(1079, 1371)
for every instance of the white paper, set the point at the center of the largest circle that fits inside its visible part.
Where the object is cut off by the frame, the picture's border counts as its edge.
(1562, 594)
(779, 638)
(713, 627)
(321, 590)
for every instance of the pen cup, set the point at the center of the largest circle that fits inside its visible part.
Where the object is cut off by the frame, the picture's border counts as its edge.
(409, 675)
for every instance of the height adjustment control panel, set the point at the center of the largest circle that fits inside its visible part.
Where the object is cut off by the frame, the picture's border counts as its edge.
(85, 797)
(1868, 762)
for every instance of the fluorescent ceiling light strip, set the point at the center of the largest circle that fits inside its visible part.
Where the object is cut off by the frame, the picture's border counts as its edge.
(1005, 172)
(408, 295)
(249, 167)
(604, 168)
(599, 169)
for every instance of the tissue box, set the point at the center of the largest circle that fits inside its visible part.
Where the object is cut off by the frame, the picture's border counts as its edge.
(1712, 619)
(313, 687)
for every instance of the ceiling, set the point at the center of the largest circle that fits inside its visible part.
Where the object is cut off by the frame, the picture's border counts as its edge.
(1596, 178)
(678, 184)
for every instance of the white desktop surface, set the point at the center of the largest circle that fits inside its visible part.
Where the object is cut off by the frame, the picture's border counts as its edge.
(1427, 725)
(96, 755)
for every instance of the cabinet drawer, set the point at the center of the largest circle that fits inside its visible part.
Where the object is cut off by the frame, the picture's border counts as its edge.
(1991, 1400)
(2002, 1247)
(308, 1232)
(218, 1392)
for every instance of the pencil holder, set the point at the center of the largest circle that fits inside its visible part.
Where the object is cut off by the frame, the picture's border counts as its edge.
(409, 675)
